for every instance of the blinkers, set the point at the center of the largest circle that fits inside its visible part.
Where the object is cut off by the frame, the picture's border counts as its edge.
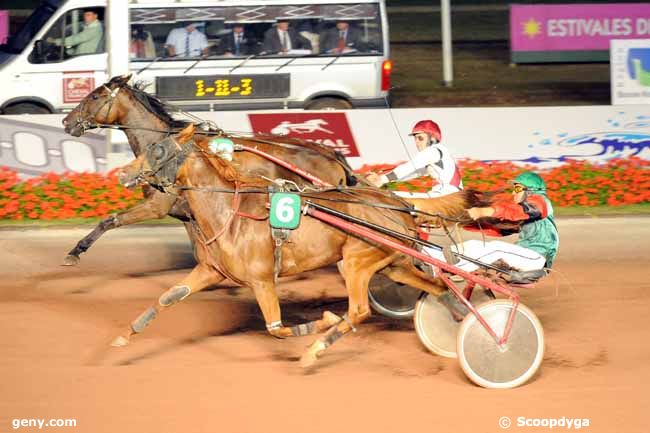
(165, 158)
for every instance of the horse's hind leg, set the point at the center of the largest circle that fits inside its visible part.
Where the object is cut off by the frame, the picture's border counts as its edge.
(201, 277)
(155, 207)
(411, 276)
(268, 301)
(360, 263)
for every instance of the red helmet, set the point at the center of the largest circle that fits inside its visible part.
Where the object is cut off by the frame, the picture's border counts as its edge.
(428, 127)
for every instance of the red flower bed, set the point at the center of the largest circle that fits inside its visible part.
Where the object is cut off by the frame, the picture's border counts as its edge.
(85, 195)
(618, 182)
(70, 195)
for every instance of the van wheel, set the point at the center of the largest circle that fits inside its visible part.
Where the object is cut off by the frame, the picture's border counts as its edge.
(26, 108)
(328, 103)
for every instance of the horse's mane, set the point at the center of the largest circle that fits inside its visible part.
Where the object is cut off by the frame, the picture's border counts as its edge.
(154, 105)
(224, 168)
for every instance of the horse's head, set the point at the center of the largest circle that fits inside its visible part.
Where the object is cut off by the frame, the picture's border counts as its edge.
(160, 163)
(104, 105)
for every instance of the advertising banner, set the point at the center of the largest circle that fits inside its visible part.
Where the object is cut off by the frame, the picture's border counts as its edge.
(331, 129)
(573, 32)
(630, 71)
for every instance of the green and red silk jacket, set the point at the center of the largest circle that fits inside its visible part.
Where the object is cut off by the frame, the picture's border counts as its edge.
(538, 230)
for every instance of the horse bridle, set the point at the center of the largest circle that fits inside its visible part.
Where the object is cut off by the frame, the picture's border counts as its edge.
(84, 124)
(165, 159)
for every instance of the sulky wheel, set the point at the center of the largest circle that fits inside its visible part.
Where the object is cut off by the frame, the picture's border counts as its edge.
(490, 366)
(392, 299)
(435, 326)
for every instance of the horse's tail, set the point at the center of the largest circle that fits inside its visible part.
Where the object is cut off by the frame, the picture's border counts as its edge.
(475, 198)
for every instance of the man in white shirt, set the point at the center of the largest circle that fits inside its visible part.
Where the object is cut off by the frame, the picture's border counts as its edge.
(433, 159)
(186, 41)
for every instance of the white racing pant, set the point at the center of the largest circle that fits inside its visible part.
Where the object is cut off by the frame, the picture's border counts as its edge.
(515, 256)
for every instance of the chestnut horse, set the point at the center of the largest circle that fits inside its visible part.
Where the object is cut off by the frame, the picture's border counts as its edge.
(238, 242)
(144, 120)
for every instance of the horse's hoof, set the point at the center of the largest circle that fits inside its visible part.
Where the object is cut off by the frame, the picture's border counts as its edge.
(310, 357)
(331, 319)
(307, 360)
(71, 260)
(120, 342)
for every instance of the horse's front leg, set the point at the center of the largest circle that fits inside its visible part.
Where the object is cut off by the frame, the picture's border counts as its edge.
(155, 207)
(201, 277)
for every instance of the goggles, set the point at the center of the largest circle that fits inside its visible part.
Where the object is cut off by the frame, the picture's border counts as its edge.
(424, 137)
(519, 188)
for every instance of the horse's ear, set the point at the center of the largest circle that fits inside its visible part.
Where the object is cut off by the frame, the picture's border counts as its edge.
(186, 134)
(119, 80)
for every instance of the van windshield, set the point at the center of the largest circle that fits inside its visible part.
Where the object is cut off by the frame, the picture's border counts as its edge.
(287, 30)
(17, 42)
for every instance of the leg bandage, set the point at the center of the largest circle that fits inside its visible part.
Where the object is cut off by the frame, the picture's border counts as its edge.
(304, 329)
(174, 295)
(143, 320)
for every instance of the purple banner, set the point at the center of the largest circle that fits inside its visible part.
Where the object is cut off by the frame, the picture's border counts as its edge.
(576, 27)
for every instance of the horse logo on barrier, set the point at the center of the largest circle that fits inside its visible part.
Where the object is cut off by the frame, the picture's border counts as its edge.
(330, 129)
(301, 128)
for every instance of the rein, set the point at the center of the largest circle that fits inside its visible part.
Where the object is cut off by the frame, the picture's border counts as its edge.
(316, 196)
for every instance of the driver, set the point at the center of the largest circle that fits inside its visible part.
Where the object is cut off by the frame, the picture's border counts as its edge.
(538, 240)
(88, 40)
(432, 158)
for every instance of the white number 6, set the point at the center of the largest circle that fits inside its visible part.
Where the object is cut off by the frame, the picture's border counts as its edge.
(284, 210)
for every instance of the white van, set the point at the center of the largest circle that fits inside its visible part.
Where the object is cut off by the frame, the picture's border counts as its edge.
(334, 54)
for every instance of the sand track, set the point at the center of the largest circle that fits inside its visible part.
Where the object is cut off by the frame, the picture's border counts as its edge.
(207, 365)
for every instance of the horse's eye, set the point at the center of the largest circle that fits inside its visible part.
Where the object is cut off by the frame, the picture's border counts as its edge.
(95, 97)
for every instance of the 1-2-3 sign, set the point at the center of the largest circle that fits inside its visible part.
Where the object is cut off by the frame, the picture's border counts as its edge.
(204, 87)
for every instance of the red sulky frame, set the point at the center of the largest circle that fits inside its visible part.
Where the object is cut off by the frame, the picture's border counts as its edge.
(470, 278)
(369, 234)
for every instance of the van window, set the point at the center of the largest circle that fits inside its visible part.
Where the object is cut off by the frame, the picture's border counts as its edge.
(77, 33)
(17, 42)
(223, 32)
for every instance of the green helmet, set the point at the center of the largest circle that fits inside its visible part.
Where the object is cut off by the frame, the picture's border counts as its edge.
(532, 181)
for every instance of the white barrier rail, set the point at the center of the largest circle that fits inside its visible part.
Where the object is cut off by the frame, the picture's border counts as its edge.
(542, 136)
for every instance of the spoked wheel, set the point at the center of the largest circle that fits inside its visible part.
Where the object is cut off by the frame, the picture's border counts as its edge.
(491, 366)
(392, 299)
(435, 326)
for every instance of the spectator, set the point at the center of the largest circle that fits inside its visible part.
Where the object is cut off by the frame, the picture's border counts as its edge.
(238, 43)
(282, 39)
(142, 45)
(341, 39)
(186, 41)
(89, 40)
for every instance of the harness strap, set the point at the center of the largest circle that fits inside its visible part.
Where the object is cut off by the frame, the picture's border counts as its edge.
(251, 216)
(280, 236)
(292, 167)
(236, 201)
